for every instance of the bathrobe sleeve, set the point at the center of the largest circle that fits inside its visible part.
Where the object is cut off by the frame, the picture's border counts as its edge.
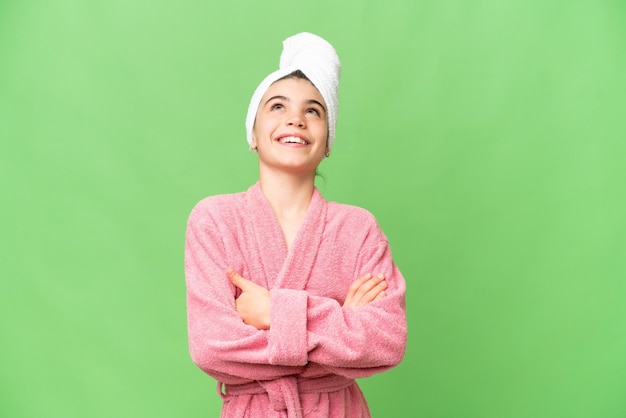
(219, 342)
(353, 342)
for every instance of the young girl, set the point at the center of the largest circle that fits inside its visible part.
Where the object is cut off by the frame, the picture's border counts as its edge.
(291, 297)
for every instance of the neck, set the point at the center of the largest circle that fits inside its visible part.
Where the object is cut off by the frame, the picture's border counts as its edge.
(288, 194)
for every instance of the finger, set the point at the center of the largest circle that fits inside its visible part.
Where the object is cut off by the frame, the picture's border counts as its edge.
(236, 279)
(353, 288)
(368, 290)
(381, 295)
(373, 293)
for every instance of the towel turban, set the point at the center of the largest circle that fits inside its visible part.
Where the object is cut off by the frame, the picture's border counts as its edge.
(317, 59)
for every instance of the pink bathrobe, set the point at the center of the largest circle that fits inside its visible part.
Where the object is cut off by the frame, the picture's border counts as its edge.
(306, 363)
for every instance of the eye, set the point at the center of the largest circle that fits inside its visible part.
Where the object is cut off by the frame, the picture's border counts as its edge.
(313, 111)
(277, 106)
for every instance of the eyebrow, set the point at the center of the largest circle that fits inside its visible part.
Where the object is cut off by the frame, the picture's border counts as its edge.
(313, 101)
(310, 101)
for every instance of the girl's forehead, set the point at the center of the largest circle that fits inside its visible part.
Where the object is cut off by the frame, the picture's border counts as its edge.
(293, 87)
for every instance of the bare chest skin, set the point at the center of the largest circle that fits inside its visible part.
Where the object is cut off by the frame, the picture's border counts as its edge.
(290, 229)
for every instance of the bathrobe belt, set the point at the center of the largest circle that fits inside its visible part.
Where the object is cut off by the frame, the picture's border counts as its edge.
(284, 392)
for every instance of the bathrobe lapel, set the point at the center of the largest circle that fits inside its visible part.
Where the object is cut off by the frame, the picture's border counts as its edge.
(282, 268)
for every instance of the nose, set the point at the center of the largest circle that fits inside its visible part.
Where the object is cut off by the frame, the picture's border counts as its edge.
(296, 119)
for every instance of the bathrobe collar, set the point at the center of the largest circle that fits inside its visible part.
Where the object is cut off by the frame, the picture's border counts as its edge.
(288, 269)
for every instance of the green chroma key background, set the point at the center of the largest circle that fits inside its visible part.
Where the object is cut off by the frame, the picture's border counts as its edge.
(487, 137)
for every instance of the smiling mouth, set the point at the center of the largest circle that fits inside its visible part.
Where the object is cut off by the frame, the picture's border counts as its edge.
(293, 140)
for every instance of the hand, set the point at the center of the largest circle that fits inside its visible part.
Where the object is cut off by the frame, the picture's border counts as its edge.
(253, 305)
(366, 289)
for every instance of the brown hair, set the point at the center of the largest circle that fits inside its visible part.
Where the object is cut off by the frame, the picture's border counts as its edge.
(296, 74)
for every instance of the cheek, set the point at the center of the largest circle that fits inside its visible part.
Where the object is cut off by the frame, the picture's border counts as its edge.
(257, 131)
(262, 126)
(322, 130)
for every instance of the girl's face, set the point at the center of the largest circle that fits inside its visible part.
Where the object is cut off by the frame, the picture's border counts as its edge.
(291, 129)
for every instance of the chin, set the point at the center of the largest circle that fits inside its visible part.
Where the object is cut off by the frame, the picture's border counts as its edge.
(300, 168)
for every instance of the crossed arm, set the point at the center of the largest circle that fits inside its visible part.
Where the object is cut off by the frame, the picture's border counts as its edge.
(233, 339)
(253, 304)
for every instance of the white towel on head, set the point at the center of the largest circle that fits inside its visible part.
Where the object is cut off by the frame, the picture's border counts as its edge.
(317, 59)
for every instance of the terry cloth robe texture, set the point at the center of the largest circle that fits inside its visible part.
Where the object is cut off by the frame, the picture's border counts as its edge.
(306, 363)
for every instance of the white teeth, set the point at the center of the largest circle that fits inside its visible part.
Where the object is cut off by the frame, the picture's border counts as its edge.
(292, 140)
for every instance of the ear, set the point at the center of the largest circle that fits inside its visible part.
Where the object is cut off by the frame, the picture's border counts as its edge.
(253, 144)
